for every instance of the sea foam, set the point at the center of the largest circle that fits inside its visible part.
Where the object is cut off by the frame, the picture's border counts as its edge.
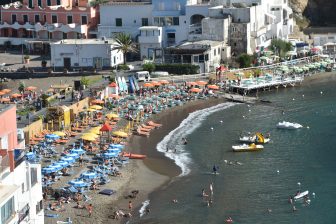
(187, 126)
(142, 210)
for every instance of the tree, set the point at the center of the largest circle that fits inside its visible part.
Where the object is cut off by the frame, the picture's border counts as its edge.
(85, 81)
(245, 60)
(280, 47)
(22, 87)
(124, 43)
(148, 67)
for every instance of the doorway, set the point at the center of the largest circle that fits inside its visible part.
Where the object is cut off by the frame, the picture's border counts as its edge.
(67, 63)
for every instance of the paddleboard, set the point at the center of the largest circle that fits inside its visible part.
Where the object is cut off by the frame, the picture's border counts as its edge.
(301, 195)
(211, 173)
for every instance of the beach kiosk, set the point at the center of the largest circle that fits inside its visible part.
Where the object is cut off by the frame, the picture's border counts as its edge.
(112, 89)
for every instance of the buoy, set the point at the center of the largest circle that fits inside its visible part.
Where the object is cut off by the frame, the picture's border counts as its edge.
(278, 171)
(249, 110)
(321, 92)
(293, 99)
(243, 116)
(299, 183)
(307, 127)
(221, 121)
(212, 128)
(303, 95)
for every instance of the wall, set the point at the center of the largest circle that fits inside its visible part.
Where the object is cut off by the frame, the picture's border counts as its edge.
(32, 129)
(84, 54)
(130, 21)
(8, 127)
(79, 107)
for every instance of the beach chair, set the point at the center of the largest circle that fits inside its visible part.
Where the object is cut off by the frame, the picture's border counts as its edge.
(72, 189)
(86, 198)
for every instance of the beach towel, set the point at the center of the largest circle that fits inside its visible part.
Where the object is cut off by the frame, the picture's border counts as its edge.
(108, 192)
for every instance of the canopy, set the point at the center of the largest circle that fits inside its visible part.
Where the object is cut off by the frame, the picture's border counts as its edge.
(120, 134)
(106, 127)
(59, 133)
(31, 88)
(96, 107)
(97, 101)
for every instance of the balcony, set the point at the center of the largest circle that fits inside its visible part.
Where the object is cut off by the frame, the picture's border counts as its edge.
(150, 39)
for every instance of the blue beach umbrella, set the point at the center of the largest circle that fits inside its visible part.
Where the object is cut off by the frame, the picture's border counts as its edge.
(56, 166)
(89, 175)
(62, 163)
(68, 159)
(118, 146)
(113, 150)
(52, 136)
(78, 151)
(110, 155)
(47, 170)
(78, 183)
(74, 155)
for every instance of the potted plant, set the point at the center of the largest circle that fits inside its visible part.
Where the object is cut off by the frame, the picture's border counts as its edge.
(44, 63)
(26, 59)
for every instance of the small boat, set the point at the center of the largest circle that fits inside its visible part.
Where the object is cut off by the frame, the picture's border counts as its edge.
(301, 195)
(257, 138)
(133, 156)
(247, 148)
(289, 125)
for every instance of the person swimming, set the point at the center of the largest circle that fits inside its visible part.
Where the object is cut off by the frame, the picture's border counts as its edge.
(214, 169)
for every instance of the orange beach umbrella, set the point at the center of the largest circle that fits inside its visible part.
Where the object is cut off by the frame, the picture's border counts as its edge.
(16, 95)
(195, 90)
(155, 83)
(147, 84)
(6, 91)
(2, 93)
(201, 83)
(214, 87)
(31, 88)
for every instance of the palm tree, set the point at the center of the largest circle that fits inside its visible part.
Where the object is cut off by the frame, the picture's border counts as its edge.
(124, 44)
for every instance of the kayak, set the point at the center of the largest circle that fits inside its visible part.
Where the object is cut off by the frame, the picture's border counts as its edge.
(301, 195)
(133, 156)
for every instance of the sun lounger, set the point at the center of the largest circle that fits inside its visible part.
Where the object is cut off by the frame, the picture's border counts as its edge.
(139, 132)
(151, 123)
(147, 127)
(108, 192)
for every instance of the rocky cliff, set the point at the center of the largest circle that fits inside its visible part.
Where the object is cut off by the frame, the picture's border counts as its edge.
(318, 12)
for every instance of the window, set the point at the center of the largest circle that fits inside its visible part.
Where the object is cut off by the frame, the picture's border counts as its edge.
(45, 18)
(25, 18)
(53, 18)
(13, 18)
(30, 4)
(162, 21)
(84, 20)
(144, 21)
(33, 176)
(206, 57)
(58, 2)
(65, 36)
(23, 188)
(69, 19)
(169, 21)
(7, 210)
(218, 50)
(118, 21)
(196, 58)
(37, 18)
(201, 58)
(176, 21)
(39, 3)
(214, 52)
(39, 206)
(156, 21)
(48, 2)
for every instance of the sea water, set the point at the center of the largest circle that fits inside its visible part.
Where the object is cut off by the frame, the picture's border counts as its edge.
(257, 190)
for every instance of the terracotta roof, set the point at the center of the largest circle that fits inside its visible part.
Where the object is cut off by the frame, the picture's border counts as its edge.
(106, 127)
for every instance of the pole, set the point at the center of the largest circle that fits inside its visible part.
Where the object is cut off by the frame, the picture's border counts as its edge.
(22, 52)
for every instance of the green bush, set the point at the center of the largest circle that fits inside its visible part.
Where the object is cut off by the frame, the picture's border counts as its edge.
(123, 67)
(149, 67)
(245, 60)
(178, 69)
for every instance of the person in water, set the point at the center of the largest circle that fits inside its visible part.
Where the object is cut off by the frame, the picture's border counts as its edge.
(184, 140)
(214, 169)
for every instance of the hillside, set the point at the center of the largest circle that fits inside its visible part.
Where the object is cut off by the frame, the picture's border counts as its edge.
(317, 12)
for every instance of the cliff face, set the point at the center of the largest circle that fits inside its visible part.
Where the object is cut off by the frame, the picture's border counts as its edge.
(318, 12)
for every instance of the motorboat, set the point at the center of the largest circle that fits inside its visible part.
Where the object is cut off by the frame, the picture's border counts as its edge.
(289, 125)
(247, 148)
(301, 195)
(257, 138)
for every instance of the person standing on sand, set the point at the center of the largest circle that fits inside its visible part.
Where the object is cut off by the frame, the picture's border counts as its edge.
(90, 209)
(130, 205)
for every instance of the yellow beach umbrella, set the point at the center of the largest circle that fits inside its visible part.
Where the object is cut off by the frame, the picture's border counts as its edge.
(93, 135)
(95, 130)
(59, 133)
(120, 134)
(111, 116)
(88, 138)
(91, 110)
(96, 107)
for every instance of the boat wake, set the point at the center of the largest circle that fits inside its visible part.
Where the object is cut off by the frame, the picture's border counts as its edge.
(142, 210)
(172, 141)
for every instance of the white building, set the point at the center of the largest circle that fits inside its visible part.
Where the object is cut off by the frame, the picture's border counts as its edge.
(20, 181)
(94, 53)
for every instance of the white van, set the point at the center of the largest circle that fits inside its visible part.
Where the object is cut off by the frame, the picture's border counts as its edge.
(142, 76)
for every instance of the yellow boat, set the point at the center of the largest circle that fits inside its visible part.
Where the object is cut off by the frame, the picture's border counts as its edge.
(247, 148)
